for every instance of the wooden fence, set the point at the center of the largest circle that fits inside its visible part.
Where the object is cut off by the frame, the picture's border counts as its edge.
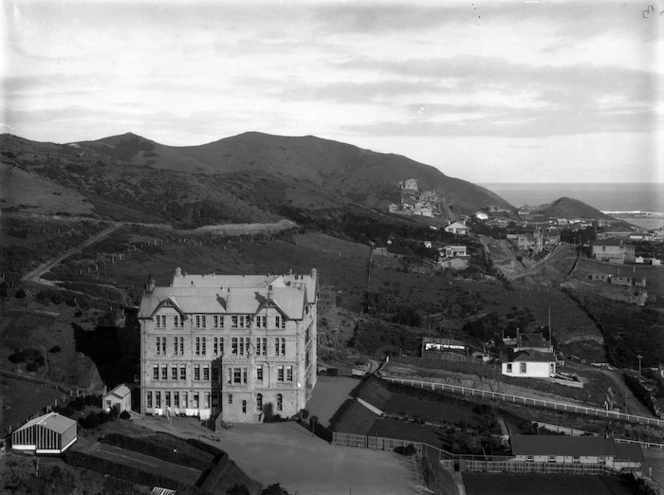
(561, 406)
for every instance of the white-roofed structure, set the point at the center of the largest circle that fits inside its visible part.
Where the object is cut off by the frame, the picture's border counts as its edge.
(228, 346)
(51, 433)
(119, 397)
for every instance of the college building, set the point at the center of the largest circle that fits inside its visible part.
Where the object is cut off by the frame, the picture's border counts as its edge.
(228, 347)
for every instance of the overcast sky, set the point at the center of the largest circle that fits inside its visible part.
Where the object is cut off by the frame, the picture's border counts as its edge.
(490, 91)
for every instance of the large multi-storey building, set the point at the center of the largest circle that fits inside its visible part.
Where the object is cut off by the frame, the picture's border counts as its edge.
(230, 347)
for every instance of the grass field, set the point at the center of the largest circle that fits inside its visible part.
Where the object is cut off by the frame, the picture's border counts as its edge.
(543, 484)
(654, 274)
(24, 399)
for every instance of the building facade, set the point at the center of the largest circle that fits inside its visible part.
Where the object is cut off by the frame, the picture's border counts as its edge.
(530, 364)
(119, 397)
(229, 347)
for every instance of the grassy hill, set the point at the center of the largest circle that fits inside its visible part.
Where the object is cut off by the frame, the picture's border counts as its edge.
(246, 178)
(571, 208)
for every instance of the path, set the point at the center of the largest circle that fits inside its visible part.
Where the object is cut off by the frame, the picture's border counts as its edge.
(34, 275)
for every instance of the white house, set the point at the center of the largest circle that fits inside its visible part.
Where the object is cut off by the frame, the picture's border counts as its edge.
(530, 364)
(480, 215)
(119, 397)
(457, 228)
(451, 251)
(409, 185)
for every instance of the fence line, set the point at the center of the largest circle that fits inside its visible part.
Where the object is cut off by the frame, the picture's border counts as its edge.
(645, 445)
(548, 404)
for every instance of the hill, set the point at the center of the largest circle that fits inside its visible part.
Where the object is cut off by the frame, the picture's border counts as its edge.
(571, 208)
(251, 177)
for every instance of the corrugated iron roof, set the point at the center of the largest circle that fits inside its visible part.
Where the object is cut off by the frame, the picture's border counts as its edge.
(53, 421)
(120, 391)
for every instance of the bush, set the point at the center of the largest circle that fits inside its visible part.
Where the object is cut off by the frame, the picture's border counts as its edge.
(408, 450)
(31, 367)
(125, 415)
(20, 294)
(55, 349)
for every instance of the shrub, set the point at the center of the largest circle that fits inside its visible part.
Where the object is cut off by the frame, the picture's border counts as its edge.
(54, 349)
(20, 294)
(125, 415)
(275, 489)
(31, 367)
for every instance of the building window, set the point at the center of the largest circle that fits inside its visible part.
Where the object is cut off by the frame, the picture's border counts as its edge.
(158, 345)
(157, 400)
(181, 346)
(289, 373)
(175, 345)
(509, 367)
(197, 372)
(148, 399)
(277, 321)
(183, 372)
(233, 321)
(234, 346)
(204, 351)
(198, 321)
(178, 321)
(176, 399)
(164, 372)
(215, 321)
(163, 345)
(174, 372)
(241, 346)
(522, 367)
(244, 407)
(280, 374)
(168, 399)
(215, 346)
(280, 402)
(185, 399)
(258, 346)
(161, 321)
(230, 398)
(237, 375)
(221, 346)
(206, 373)
(530, 458)
(261, 322)
(259, 374)
(207, 400)
(155, 372)
(198, 346)
(552, 458)
(576, 460)
(280, 346)
(264, 346)
(259, 402)
(196, 404)
(244, 375)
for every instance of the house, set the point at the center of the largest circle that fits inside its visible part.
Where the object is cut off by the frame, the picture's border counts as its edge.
(530, 364)
(230, 347)
(577, 450)
(457, 228)
(628, 281)
(600, 277)
(451, 251)
(431, 196)
(427, 244)
(119, 397)
(423, 208)
(455, 263)
(393, 208)
(409, 185)
(614, 250)
(51, 433)
(480, 215)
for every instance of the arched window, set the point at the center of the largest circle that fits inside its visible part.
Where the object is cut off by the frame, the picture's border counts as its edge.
(259, 402)
(244, 406)
(280, 402)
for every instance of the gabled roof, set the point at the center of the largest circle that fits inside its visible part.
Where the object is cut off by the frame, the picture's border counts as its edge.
(560, 445)
(457, 225)
(120, 391)
(611, 241)
(531, 356)
(53, 421)
(629, 452)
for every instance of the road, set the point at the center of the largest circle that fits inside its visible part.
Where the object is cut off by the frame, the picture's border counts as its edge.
(34, 275)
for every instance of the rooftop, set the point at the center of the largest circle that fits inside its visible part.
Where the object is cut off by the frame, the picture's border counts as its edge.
(53, 421)
(559, 445)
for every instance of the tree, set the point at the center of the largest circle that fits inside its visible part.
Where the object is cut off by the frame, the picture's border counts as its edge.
(237, 489)
(275, 489)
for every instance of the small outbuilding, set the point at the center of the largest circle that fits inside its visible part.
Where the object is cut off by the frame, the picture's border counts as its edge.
(51, 433)
(119, 397)
(530, 364)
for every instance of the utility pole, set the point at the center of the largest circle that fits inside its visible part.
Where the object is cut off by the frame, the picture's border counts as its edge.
(639, 357)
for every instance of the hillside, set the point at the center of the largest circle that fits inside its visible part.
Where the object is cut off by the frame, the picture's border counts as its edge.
(571, 208)
(251, 177)
(361, 175)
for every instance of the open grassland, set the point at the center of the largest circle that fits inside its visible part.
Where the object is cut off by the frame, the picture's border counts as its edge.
(22, 400)
(545, 484)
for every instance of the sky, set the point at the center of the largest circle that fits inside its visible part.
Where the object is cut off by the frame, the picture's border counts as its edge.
(495, 91)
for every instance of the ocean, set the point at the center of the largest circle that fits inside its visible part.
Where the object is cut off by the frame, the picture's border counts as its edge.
(641, 204)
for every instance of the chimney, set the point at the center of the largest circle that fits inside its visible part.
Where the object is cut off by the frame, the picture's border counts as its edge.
(228, 299)
(270, 292)
(149, 284)
(314, 273)
(178, 272)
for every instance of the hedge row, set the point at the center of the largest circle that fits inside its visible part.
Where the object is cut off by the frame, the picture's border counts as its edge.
(210, 449)
(150, 448)
(640, 392)
(123, 472)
